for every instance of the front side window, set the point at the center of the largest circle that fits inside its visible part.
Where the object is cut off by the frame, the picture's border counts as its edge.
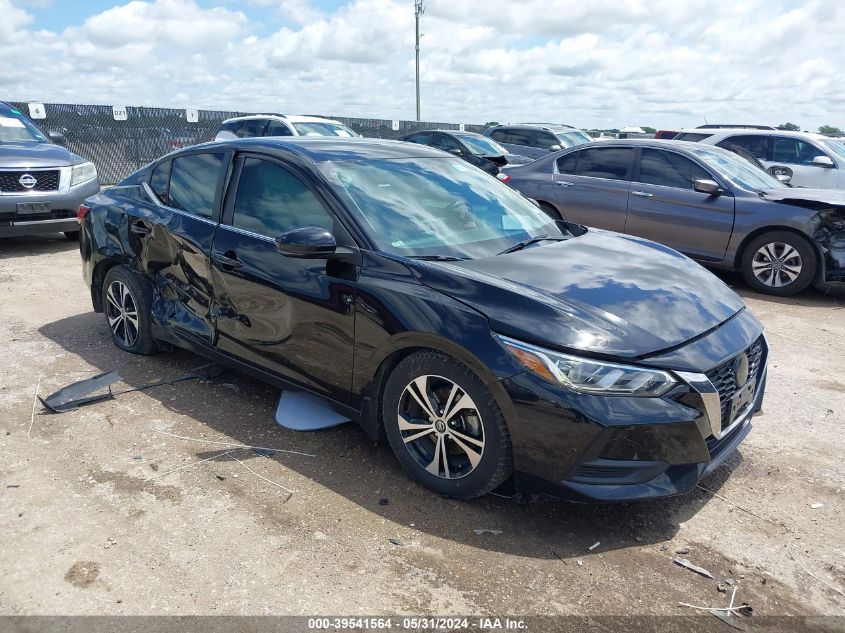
(519, 137)
(794, 151)
(277, 128)
(566, 164)
(160, 181)
(319, 128)
(420, 139)
(271, 200)
(605, 162)
(545, 140)
(193, 183)
(417, 207)
(668, 169)
(445, 143)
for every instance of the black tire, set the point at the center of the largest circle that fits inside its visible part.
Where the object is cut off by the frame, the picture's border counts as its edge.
(73, 236)
(549, 210)
(496, 460)
(787, 253)
(138, 296)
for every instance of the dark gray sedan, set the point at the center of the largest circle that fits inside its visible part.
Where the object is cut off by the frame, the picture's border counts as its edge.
(706, 202)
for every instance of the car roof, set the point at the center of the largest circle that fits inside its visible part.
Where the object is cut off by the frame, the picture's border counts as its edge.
(460, 132)
(749, 132)
(323, 148)
(291, 118)
(549, 127)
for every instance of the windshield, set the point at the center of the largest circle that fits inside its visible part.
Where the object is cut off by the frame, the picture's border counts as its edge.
(481, 145)
(317, 128)
(15, 128)
(837, 147)
(436, 207)
(737, 169)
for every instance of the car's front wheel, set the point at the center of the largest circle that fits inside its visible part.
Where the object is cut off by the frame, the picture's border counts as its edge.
(127, 302)
(445, 427)
(779, 263)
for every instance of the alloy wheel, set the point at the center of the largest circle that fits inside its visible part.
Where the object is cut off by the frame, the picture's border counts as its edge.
(776, 264)
(441, 426)
(121, 313)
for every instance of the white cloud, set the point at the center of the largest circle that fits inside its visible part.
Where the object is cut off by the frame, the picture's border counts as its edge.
(593, 63)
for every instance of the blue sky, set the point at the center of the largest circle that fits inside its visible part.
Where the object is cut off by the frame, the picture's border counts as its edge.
(590, 63)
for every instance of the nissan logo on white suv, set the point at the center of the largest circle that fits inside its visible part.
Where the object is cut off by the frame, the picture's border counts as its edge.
(28, 181)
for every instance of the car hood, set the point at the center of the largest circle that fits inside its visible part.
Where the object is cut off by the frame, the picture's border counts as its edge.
(28, 155)
(813, 198)
(601, 292)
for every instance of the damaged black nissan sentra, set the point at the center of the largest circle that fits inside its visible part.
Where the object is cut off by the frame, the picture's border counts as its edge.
(436, 307)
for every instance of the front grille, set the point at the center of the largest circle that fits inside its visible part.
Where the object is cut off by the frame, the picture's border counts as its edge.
(723, 380)
(46, 180)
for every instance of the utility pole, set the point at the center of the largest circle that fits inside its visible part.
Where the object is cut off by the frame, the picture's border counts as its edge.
(418, 11)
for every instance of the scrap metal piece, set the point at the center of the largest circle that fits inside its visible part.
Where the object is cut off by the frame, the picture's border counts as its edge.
(72, 396)
(683, 562)
(300, 411)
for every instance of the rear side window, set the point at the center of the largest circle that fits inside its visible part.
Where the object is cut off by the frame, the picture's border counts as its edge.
(421, 139)
(277, 128)
(232, 126)
(604, 162)
(253, 127)
(669, 169)
(270, 200)
(753, 144)
(566, 164)
(193, 183)
(160, 181)
(692, 136)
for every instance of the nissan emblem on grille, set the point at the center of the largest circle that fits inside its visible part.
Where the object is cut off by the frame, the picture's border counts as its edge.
(741, 369)
(28, 181)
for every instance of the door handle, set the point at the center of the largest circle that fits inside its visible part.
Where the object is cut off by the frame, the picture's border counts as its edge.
(139, 228)
(564, 183)
(642, 194)
(226, 261)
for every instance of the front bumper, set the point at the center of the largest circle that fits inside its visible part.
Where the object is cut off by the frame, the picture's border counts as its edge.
(60, 217)
(610, 449)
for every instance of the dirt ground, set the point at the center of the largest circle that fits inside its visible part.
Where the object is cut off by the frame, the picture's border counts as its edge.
(96, 519)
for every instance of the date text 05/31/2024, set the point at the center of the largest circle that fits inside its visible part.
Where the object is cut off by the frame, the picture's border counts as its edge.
(417, 623)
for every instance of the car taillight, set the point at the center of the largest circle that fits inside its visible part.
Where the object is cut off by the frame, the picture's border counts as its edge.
(505, 178)
(83, 211)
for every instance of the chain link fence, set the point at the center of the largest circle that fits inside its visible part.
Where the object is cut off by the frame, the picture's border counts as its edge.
(119, 147)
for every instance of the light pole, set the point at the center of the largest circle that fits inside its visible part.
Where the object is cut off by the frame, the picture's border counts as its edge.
(418, 11)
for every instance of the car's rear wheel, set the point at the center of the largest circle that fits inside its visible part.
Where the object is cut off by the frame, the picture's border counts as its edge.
(445, 427)
(779, 263)
(127, 302)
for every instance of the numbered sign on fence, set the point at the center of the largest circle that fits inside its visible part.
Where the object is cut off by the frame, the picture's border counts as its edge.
(37, 111)
(461, 127)
(119, 113)
(192, 115)
(395, 126)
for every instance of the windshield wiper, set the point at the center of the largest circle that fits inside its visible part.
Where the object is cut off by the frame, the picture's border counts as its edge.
(532, 240)
(438, 258)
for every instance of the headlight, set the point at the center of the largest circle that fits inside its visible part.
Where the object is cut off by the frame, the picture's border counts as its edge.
(82, 173)
(585, 375)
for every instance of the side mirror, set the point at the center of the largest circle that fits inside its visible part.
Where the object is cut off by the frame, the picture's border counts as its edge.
(306, 242)
(57, 137)
(705, 185)
(555, 148)
(456, 151)
(823, 161)
(781, 172)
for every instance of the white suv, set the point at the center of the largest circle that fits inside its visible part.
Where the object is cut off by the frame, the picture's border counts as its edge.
(282, 125)
(815, 160)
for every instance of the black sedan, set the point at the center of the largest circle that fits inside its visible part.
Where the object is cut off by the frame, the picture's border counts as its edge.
(435, 306)
(475, 149)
